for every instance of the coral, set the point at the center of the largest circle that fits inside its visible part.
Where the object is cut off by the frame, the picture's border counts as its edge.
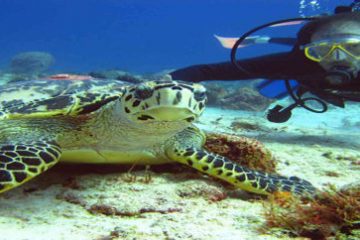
(332, 213)
(215, 92)
(246, 99)
(245, 151)
(31, 62)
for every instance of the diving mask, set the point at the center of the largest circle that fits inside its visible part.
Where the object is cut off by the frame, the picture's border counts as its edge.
(318, 50)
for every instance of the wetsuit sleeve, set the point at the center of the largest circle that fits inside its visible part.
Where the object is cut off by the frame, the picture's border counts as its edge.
(275, 66)
(283, 41)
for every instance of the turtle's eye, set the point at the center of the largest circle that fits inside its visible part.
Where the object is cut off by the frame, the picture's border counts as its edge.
(199, 95)
(143, 92)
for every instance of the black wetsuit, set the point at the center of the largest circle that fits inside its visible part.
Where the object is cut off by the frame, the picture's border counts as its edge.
(290, 65)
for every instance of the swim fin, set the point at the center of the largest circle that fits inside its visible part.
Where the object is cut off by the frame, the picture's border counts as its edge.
(275, 88)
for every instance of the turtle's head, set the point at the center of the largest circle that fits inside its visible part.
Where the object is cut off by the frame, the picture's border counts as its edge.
(165, 100)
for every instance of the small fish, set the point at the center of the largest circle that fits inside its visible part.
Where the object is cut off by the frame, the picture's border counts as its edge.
(67, 76)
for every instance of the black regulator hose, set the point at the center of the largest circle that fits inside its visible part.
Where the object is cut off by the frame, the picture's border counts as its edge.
(245, 35)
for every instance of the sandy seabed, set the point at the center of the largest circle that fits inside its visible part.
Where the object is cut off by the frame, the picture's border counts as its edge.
(81, 202)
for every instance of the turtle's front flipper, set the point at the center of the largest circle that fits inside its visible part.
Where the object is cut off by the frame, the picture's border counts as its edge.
(186, 148)
(19, 162)
(242, 177)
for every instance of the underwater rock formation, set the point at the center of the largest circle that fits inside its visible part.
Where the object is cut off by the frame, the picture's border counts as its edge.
(31, 63)
(243, 98)
(215, 92)
(118, 75)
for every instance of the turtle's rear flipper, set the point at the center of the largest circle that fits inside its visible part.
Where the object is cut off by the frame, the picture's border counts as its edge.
(19, 162)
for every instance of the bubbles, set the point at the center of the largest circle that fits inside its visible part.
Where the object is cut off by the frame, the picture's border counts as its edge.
(309, 8)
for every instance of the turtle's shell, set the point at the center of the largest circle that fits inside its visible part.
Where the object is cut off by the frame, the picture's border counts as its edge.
(44, 98)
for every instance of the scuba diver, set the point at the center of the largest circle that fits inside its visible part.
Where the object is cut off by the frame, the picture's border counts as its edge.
(325, 62)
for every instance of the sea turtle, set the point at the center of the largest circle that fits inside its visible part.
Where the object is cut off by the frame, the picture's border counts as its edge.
(43, 122)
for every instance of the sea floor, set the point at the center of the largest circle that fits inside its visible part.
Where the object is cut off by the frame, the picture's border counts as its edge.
(99, 202)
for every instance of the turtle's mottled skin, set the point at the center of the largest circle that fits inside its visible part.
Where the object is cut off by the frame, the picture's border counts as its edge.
(44, 122)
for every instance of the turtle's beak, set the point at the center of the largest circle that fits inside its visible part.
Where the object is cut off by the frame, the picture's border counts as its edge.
(165, 113)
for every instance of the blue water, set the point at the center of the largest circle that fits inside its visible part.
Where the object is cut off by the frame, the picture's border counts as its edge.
(139, 36)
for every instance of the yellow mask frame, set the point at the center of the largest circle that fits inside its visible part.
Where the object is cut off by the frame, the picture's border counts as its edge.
(317, 51)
